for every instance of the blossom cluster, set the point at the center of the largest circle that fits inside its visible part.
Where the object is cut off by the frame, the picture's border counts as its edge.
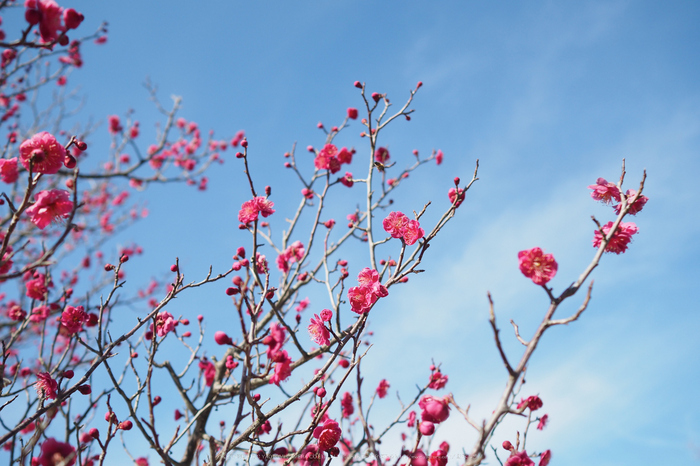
(605, 192)
(368, 291)
(398, 225)
(258, 205)
(331, 159)
(294, 253)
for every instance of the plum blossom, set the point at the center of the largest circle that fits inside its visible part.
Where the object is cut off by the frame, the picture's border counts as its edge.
(545, 457)
(346, 405)
(73, 318)
(543, 422)
(435, 410)
(258, 205)
(311, 456)
(282, 367)
(438, 157)
(413, 232)
(37, 288)
(382, 388)
(43, 152)
(46, 385)
(55, 453)
(327, 434)
(519, 458)
(605, 191)
(8, 170)
(165, 323)
(537, 266)
(381, 155)
(362, 297)
(456, 194)
(438, 458)
(294, 253)
(411, 419)
(533, 403)
(48, 14)
(318, 331)
(395, 224)
(636, 206)
(208, 370)
(620, 239)
(50, 206)
(437, 380)
(275, 339)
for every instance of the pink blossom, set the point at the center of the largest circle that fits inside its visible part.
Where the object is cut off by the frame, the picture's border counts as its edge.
(456, 195)
(532, 402)
(604, 191)
(318, 331)
(46, 385)
(142, 461)
(260, 263)
(165, 323)
(411, 419)
(361, 299)
(395, 224)
(327, 159)
(543, 422)
(326, 315)
(347, 180)
(635, 208)
(55, 453)
(437, 380)
(438, 458)
(311, 456)
(48, 14)
(327, 434)
(208, 370)
(413, 232)
(545, 457)
(519, 459)
(381, 155)
(282, 367)
(258, 205)
(620, 240)
(37, 287)
(352, 113)
(50, 206)
(419, 459)
(434, 409)
(438, 157)
(275, 339)
(345, 156)
(43, 152)
(346, 405)
(537, 266)
(72, 18)
(73, 318)
(8, 170)
(382, 388)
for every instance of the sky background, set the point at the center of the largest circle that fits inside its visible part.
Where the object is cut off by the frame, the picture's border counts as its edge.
(549, 96)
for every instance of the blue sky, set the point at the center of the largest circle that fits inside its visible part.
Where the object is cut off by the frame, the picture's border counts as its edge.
(548, 95)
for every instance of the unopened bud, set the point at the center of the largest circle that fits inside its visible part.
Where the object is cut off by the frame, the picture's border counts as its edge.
(457, 180)
(358, 84)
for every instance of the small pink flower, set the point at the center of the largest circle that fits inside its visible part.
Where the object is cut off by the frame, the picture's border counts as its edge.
(46, 385)
(604, 191)
(258, 205)
(326, 315)
(55, 453)
(438, 458)
(37, 288)
(8, 170)
(537, 265)
(456, 195)
(434, 409)
(411, 419)
(395, 224)
(312, 456)
(73, 318)
(545, 457)
(282, 367)
(620, 240)
(381, 155)
(72, 18)
(347, 180)
(413, 232)
(519, 459)
(346, 405)
(532, 402)
(275, 339)
(419, 459)
(318, 331)
(543, 422)
(426, 428)
(44, 153)
(360, 298)
(438, 157)
(352, 113)
(636, 207)
(437, 380)
(328, 434)
(165, 323)
(50, 206)
(208, 370)
(382, 388)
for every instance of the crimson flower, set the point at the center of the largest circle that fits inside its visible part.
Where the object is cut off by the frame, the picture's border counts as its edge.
(55, 453)
(605, 191)
(50, 206)
(328, 434)
(47, 385)
(620, 239)
(537, 265)
(44, 153)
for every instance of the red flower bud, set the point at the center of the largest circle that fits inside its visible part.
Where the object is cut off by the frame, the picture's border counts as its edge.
(376, 96)
(68, 374)
(174, 268)
(358, 84)
(125, 425)
(222, 339)
(85, 389)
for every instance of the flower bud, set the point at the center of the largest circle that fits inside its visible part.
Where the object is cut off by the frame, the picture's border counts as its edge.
(174, 268)
(69, 161)
(357, 84)
(125, 425)
(508, 446)
(222, 339)
(426, 428)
